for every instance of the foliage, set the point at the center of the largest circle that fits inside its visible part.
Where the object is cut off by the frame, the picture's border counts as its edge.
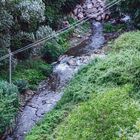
(8, 104)
(55, 47)
(130, 7)
(31, 75)
(128, 40)
(116, 70)
(31, 10)
(44, 31)
(109, 28)
(3, 64)
(32, 71)
(56, 10)
(46, 69)
(110, 115)
(22, 85)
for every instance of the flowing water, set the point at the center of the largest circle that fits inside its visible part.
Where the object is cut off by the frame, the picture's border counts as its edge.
(51, 90)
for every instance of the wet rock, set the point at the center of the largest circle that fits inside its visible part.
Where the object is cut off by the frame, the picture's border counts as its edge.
(72, 63)
(52, 89)
(80, 15)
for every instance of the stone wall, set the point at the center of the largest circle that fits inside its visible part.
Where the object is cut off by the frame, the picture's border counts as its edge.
(91, 8)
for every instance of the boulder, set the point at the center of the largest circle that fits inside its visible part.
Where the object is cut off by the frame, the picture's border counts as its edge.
(92, 9)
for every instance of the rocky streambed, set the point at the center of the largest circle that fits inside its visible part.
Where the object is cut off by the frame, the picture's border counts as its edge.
(51, 90)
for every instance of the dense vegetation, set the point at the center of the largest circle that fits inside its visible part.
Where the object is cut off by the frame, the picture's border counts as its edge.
(100, 90)
(103, 88)
(8, 104)
(110, 115)
(129, 7)
(22, 23)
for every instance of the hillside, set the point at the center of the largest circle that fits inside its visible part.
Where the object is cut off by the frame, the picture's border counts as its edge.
(69, 70)
(102, 101)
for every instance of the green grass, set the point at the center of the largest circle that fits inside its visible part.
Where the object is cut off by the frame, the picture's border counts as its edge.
(120, 67)
(128, 41)
(33, 71)
(106, 116)
(110, 28)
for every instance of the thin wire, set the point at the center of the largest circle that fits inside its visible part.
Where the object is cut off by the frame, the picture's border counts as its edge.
(111, 4)
(56, 34)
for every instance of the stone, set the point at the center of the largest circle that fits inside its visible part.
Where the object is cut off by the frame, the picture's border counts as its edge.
(71, 62)
(92, 10)
(89, 5)
(99, 18)
(80, 15)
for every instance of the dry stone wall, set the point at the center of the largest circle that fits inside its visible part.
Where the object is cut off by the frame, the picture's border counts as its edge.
(91, 8)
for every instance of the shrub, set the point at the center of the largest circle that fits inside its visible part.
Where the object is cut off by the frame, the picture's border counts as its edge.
(111, 115)
(22, 85)
(108, 27)
(46, 69)
(33, 76)
(130, 7)
(56, 10)
(4, 63)
(31, 71)
(8, 104)
(54, 48)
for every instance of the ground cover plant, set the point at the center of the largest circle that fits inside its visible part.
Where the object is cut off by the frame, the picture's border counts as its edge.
(8, 104)
(110, 75)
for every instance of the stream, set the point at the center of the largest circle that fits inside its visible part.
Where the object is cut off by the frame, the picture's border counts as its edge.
(51, 90)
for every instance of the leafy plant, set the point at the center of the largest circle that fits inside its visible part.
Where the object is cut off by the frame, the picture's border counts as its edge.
(54, 48)
(22, 85)
(31, 71)
(128, 40)
(8, 104)
(109, 28)
(130, 7)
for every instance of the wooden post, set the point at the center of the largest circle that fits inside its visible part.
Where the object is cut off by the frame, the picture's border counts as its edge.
(10, 66)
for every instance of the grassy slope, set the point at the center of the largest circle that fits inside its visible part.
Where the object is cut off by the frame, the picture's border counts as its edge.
(106, 116)
(121, 67)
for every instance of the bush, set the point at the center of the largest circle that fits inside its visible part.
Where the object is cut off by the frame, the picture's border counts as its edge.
(109, 28)
(130, 7)
(46, 69)
(56, 10)
(33, 76)
(111, 115)
(54, 48)
(32, 72)
(22, 85)
(8, 104)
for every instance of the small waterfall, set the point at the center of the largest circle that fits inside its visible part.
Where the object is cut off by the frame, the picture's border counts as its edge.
(97, 38)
